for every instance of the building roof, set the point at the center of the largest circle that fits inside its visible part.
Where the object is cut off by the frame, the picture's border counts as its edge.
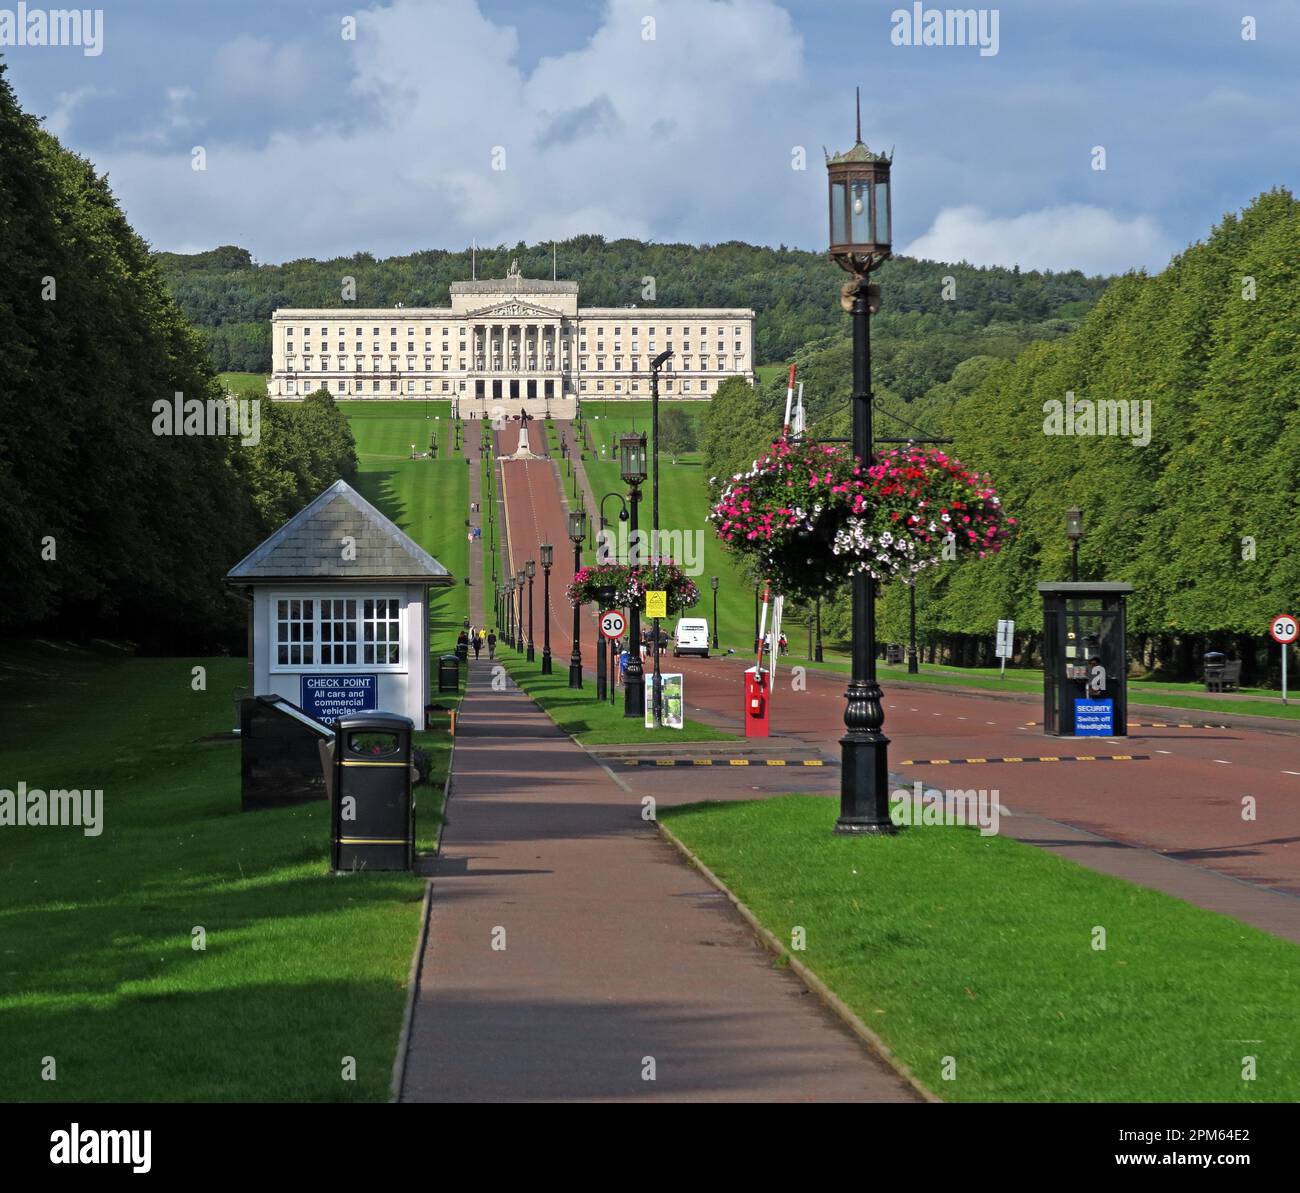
(309, 546)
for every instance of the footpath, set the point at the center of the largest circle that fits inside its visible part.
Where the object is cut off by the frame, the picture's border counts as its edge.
(572, 954)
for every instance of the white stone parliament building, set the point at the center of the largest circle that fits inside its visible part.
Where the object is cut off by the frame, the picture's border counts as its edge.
(505, 344)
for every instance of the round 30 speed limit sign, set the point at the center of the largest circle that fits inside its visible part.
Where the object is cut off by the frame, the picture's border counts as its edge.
(613, 624)
(1284, 629)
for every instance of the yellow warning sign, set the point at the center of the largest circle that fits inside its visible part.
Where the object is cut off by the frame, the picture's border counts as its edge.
(656, 602)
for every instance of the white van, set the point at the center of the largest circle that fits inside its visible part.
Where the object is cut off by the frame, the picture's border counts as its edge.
(692, 637)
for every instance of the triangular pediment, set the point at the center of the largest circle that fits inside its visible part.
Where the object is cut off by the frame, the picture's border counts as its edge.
(514, 309)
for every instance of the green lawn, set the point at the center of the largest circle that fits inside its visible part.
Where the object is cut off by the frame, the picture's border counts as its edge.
(240, 382)
(301, 968)
(428, 499)
(949, 944)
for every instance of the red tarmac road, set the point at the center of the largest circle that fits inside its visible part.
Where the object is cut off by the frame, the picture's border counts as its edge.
(1185, 799)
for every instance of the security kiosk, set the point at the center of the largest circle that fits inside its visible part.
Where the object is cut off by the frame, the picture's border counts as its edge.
(338, 602)
(1085, 659)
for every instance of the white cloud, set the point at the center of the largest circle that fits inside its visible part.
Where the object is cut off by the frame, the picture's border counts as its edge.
(625, 136)
(66, 104)
(1071, 236)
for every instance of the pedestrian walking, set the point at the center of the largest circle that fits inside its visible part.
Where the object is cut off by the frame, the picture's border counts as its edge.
(492, 645)
(478, 646)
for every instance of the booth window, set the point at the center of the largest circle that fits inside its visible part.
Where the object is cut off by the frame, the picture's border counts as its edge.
(338, 632)
(321, 631)
(381, 640)
(295, 633)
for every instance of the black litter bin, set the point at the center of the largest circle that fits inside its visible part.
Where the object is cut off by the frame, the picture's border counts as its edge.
(462, 652)
(1215, 661)
(372, 810)
(449, 673)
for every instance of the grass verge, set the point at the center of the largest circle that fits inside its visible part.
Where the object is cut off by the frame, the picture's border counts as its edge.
(981, 949)
(100, 970)
(578, 713)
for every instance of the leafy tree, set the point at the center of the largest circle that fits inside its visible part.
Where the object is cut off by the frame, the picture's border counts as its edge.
(676, 432)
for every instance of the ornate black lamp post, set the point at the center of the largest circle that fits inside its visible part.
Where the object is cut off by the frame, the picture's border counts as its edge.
(632, 467)
(912, 667)
(1074, 532)
(547, 553)
(577, 532)
(860, 241)
(519, 609)
(530, 568)
(713, 583)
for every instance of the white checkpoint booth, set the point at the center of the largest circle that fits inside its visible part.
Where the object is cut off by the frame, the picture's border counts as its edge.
(339, 611)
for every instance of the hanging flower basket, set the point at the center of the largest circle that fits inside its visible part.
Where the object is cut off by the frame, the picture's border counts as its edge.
(630, 584)
(810, 516)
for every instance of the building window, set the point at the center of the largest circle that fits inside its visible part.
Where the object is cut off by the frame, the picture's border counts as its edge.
(381, 637)
(295, 633)
(338, 632)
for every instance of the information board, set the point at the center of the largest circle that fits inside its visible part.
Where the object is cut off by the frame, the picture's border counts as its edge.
(671, 698)
(329, 697)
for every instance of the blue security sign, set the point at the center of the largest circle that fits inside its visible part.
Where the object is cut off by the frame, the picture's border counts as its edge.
(329, 697)
(1094, 718)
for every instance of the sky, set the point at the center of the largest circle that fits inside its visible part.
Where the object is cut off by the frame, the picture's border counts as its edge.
(325, 130)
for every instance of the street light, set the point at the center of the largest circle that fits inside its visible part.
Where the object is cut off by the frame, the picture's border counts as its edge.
(577, 532)
(713, 583)
(548, 557)
(631, 466)
(531, 569)
(1074, 532)
(519, 609)
(912, 668)
(655, 365)
(860, 241)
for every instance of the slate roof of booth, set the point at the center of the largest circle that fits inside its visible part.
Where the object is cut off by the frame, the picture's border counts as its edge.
(309, 546)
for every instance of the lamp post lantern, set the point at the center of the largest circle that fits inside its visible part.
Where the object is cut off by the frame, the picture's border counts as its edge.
(530, 568)
(577, 533)
(547, 553)
(713, 583)
(632, 468)
(1074, 532)
(860, 241)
